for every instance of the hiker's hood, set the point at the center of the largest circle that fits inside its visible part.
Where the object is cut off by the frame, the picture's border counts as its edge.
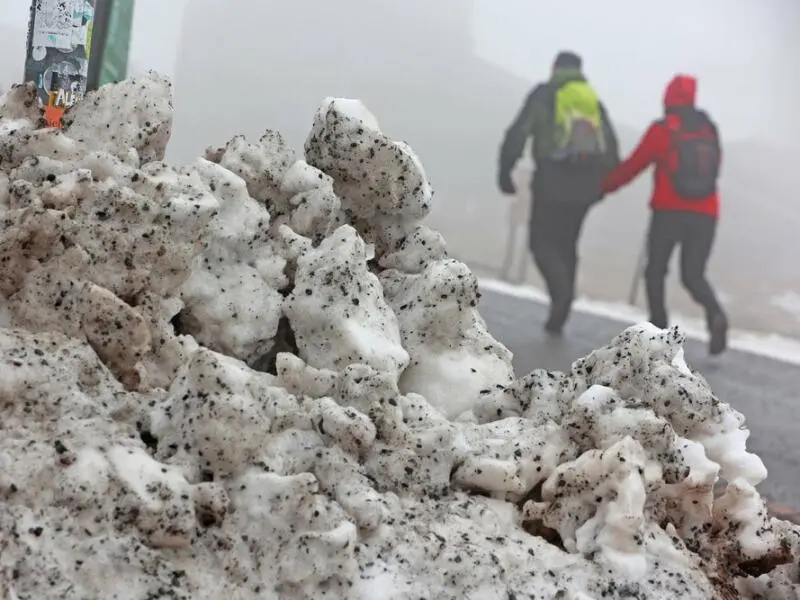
(565, 74)
(681, 91)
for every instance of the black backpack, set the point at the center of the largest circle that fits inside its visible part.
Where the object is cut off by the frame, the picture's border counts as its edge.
(695, 156)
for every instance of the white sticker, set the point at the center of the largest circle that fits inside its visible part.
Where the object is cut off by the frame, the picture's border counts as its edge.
(52, 26)
(39, 52)
(82, 15)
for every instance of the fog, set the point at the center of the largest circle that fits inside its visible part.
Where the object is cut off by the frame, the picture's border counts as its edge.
(447, 76)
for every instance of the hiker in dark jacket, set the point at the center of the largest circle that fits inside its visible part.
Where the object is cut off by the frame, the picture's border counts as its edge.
(686, 150)
(574, 146)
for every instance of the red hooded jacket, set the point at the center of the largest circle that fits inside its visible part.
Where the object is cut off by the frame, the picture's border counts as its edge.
(654, 148)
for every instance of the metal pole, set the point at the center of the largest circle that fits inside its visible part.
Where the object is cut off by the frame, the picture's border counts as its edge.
(518, 220)
(102, 15)
(511, 242)
(638, 273)
(57, 58)
(117, 26)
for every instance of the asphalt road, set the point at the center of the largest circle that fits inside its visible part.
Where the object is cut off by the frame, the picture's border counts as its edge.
(764, 390)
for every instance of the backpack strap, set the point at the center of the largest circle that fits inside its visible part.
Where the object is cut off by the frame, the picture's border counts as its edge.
(549, 93)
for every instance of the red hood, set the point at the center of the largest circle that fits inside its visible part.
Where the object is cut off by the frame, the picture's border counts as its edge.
(681, 91)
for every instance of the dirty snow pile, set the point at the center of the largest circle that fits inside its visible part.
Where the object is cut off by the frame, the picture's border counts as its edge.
(260, 376)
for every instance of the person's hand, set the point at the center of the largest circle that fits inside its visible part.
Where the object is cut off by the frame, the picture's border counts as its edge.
(506, 184)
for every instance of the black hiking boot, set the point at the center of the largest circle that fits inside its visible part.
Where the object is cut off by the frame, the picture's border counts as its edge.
(553, 328)
(553, 332)
(718, 328)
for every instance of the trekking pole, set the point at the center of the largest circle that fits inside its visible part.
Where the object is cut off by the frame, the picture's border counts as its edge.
(518, 219)
(523, 221)
(516, 222)
(522, 274)
(511, 242)
(638, 273)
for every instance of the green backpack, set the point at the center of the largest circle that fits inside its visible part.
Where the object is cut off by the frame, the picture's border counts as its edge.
(578, 133)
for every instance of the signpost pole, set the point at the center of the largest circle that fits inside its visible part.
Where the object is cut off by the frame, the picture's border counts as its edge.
(58, 50)
(112, 40)
(102, 15)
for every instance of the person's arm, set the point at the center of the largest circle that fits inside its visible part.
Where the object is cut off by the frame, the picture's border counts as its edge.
(642, 157)
(612, 158)
(517, 134)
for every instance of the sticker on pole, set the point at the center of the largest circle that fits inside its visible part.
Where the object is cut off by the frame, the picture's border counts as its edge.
(65, 84)
(52, 27)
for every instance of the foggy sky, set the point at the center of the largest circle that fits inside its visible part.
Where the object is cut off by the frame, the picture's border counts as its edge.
(410, 61)
(744, 51)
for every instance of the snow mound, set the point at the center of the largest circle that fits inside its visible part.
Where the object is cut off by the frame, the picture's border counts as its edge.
(261, 376)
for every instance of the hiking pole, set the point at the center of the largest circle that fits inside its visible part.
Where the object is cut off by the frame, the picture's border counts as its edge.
(522, 274)
(511, 242)
(517, 221)
(524, 207)
(638, 273)
(517, 216)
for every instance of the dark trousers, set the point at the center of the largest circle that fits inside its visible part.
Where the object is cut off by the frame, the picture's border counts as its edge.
(553, 236)
(695, 234)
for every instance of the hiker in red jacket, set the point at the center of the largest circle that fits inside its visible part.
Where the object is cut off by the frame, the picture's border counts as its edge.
(685, 148)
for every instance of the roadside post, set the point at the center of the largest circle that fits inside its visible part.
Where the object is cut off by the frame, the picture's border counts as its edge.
(71, 50)
(57, 57)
